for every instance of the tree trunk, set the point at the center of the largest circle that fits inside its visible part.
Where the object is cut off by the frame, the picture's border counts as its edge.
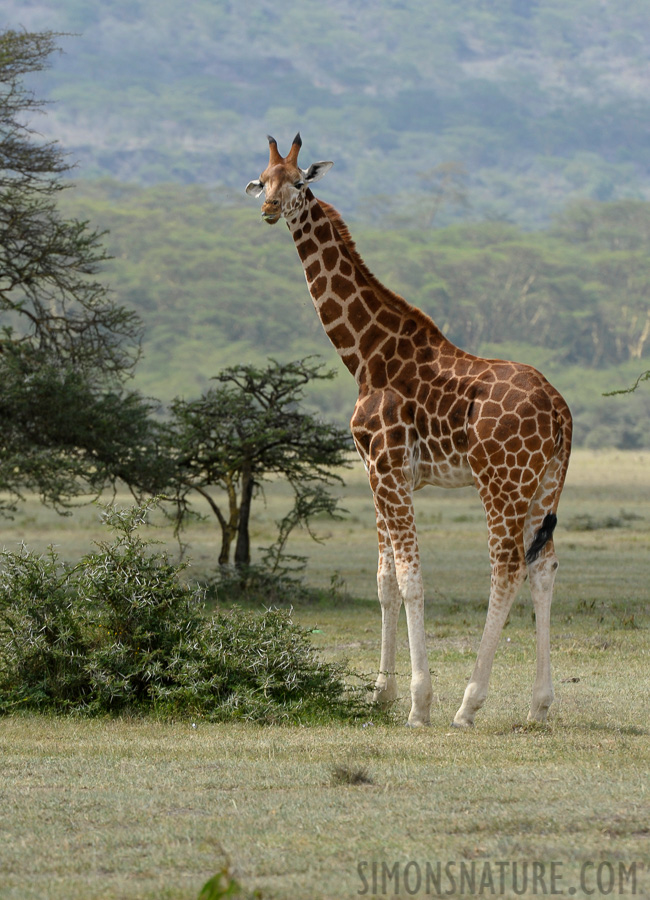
(243, 546)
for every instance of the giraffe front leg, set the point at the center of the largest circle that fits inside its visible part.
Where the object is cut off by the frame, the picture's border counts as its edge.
(409, 577)
(394, 506)
(390, 601)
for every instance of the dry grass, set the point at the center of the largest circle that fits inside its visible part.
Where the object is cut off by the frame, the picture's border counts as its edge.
(140, 809)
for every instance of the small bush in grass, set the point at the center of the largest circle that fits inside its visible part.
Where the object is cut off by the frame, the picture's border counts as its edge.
(346, 773)
(120, 632)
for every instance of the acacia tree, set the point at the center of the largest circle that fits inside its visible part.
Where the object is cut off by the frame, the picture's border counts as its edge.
(246, 429)
(67, 424)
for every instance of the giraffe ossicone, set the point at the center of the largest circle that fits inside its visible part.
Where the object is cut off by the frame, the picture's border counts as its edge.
(430, 413)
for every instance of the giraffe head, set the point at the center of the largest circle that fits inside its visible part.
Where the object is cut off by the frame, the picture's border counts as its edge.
(284, 182)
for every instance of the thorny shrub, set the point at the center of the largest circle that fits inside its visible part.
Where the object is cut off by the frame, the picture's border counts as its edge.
(121, 633)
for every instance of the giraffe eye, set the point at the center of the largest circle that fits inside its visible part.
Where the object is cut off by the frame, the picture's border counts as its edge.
(298, 184)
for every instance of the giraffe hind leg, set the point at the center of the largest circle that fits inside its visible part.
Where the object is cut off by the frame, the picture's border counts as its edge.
(507, 578)
(542, 567)
(542, 578)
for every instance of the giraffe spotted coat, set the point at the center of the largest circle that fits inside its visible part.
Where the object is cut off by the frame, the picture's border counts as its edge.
(430, 413)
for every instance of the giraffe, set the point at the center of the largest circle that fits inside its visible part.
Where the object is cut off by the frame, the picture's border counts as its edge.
(430, 413)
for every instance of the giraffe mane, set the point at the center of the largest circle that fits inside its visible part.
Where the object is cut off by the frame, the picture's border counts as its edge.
(397, 302)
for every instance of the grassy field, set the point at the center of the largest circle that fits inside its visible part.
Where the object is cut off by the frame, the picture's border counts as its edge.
(140, 809)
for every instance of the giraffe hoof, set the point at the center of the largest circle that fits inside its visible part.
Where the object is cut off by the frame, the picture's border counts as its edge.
(462, 726)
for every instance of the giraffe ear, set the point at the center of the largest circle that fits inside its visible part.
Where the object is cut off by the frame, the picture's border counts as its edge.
(254, 188)
(316, 171)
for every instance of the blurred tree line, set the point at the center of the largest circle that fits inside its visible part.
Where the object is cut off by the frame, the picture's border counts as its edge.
(215, 287)
(539, 101)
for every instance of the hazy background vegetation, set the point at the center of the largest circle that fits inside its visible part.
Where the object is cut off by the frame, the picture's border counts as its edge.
(492, 157)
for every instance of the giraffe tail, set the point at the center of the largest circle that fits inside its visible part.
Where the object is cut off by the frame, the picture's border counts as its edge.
(541, 538)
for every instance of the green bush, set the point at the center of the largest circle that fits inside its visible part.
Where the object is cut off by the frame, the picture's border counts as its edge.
(121, 633)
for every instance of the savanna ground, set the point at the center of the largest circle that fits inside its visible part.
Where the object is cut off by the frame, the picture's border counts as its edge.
(144, 809)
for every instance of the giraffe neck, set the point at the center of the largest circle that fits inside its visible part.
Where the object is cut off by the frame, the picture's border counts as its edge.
(373, 329)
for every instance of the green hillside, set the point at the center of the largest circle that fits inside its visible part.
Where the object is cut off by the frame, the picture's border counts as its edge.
(538, 101)
(214, 285)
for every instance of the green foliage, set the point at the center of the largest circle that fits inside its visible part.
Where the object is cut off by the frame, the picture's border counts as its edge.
(67, 425)
(248, 428)
(62, 438)
(120, 633)
(223, 884)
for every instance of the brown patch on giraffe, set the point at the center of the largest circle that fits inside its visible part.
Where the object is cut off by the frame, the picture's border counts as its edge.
(446, 446)
(388, 319)
(457, 413)
(377, 444)
(425, 355)
(498, 391)
(408, 413)
(405, 348)
(396, 436)
(490, 410)
(445, 403)
(514, 398)
(422, 422)
(342, 287)
(377, 370)
(507, 426)
(391, 411)
(514, 444)
(358, 315)
(351, 360)
(372, 301)
(388, 348)
(342, 336)
(382, 464)
(323, 233)
(304, 216)
(330, 310)
(307, 227)
(523, 380)
(446, 361)
(363, 441)
(312, 270)
(463, 366)
(319, 287)
(409, 327)
(368, 344)
(330, 258)
(434, 427)
(297, 235)
(528, 427)
(421, 338)
(537, 462)
(317, 212)
(345, 268)
(306, 249)
(392, 368)
(522, 458)
(406, 381)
